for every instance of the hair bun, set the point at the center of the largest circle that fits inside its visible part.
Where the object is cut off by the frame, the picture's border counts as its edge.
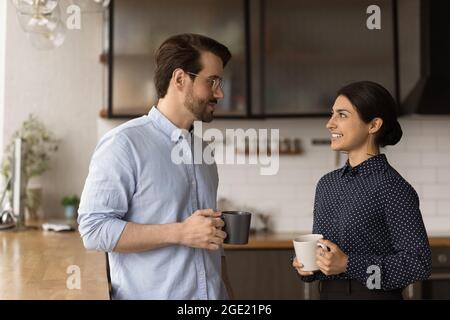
(393, 136)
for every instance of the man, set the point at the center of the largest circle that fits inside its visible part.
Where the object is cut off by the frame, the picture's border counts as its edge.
(154, 217)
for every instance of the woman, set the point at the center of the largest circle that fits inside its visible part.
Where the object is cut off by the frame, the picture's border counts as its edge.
(369, 214)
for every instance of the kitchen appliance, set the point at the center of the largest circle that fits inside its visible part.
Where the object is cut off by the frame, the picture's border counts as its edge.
(15, 216)
(6, 216)
(18, 183)
(438, 285)
(431, 93)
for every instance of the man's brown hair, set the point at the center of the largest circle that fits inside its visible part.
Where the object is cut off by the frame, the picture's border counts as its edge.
(183, 51)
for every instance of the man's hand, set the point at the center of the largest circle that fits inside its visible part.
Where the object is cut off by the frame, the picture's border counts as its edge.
(203, 230)
(331, 262)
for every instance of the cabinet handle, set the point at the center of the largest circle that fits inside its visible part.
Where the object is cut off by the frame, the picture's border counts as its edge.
(442, 258)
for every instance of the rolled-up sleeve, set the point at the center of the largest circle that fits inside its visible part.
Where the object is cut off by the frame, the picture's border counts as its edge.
(108, 190)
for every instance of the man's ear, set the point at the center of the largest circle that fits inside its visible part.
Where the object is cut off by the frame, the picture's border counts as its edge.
(178, 78)
(375, 125)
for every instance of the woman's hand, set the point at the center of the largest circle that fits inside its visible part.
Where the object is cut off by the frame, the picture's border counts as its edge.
(331, 262)
(298, 266)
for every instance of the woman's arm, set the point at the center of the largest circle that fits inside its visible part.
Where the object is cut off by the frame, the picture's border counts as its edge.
(410, 260)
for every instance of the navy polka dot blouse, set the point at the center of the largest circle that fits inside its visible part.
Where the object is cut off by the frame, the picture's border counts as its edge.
(373, 215)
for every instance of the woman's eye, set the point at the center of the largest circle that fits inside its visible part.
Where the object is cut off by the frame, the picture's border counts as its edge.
(342, 115)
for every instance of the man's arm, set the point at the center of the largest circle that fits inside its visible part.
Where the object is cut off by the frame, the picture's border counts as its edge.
(200, 230)
(225, 279)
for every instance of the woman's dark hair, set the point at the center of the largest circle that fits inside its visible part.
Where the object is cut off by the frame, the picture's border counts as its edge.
(183, 51)
(372, 100)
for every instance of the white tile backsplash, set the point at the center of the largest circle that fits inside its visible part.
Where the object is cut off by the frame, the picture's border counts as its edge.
(424, 143)
(422, 157)
(443, 143)
(421, 175)
(436, 159)
(405, 159)
(443, 208)
(428, 207)
(443, 175)
(438, 127)
(436, 192)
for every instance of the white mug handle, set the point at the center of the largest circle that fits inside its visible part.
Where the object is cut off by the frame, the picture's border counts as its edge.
(324, 247)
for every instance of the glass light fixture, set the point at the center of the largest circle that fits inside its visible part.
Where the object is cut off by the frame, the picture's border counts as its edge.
(104, 3)
(39, 22)
(31, 6)
(91, 6)
(50, 40)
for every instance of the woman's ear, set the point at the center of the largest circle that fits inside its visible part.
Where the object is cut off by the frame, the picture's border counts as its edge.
(375, 125)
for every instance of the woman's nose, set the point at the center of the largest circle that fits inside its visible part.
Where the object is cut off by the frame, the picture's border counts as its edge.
(330, 124)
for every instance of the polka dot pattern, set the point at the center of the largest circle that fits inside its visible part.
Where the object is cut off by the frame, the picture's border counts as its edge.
(372, 213)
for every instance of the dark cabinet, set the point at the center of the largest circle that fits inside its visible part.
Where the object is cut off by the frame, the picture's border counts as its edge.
(138, 27)
(312, 48)
(289, 57)
(266, 275)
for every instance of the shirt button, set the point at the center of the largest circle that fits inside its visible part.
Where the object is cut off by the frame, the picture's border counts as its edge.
(193, 183)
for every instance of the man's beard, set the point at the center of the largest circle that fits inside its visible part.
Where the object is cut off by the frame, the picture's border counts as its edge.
(199, 107)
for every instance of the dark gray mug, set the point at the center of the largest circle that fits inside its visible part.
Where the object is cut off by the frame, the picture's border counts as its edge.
(237, 226)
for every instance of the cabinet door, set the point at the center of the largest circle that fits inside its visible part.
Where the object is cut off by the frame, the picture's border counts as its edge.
(314, 47)
(266, 275)
(140, 26)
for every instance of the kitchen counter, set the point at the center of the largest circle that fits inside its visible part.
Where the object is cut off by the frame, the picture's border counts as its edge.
(34, 265)
(284, 241)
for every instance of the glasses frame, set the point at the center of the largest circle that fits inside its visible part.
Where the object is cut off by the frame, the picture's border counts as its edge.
(216, 82)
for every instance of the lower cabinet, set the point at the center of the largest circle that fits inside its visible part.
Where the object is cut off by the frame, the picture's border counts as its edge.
(264, 274)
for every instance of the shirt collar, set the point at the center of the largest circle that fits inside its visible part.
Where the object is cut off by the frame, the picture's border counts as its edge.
(168, 128)
(373, 164)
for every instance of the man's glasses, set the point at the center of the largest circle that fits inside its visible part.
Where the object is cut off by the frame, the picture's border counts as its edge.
(216, 83)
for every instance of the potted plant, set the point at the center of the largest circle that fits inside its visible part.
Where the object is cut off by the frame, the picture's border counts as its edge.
(38, 144)
(70, 204)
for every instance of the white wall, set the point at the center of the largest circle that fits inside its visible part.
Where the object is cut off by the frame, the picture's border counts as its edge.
(63, 87)
(422, 157)
(2, 70)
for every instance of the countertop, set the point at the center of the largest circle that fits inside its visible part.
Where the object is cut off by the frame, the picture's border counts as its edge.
(34, 265)
(284, 241)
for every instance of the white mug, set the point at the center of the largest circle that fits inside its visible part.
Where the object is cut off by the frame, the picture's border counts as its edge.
(305, 250)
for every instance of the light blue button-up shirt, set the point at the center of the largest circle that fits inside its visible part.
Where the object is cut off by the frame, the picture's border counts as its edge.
(132, 178)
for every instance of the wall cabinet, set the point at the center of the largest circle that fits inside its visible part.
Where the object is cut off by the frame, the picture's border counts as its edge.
(138, 27)
(289, 57)
(312, 48)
